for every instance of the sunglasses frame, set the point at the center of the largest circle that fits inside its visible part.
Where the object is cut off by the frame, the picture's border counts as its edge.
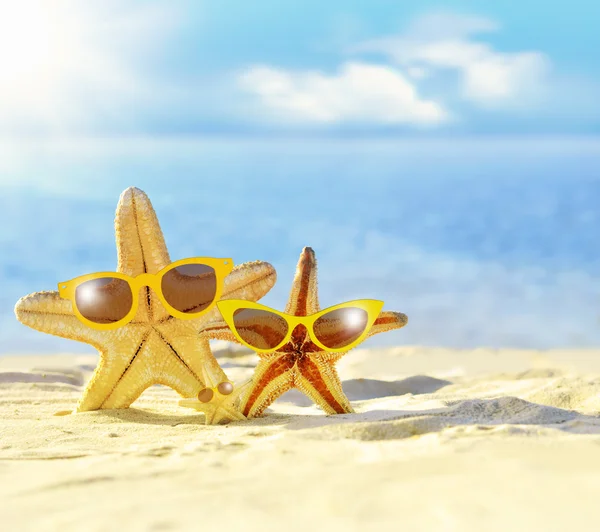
(372, 307)
(221, 266)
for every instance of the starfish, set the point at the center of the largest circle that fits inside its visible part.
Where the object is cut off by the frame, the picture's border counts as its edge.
(220, 404)
(155, 347)
(300, 363)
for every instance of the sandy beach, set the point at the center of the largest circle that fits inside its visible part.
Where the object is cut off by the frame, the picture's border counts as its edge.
(442, 440)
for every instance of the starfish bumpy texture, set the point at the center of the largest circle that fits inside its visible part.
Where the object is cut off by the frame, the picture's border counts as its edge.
(300, 363)
(155, 347)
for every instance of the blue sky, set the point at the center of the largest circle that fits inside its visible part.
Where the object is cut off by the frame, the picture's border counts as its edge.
(298, 68)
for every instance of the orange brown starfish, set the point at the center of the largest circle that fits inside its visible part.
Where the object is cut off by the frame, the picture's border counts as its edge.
(300, 363)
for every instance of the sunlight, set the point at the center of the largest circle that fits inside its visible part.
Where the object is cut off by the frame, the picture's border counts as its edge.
(65, 64)
(34, 45)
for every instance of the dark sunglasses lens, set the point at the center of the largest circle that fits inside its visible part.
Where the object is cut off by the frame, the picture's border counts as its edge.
(340, 327)
(105, 300)
(190, 288)
(260, 328)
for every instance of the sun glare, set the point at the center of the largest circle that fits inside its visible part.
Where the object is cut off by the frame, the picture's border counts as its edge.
(71, 64)
(33, 44)
(39, 50)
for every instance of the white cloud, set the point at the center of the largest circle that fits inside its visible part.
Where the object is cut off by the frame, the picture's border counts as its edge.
(444, 41)
(359, 92)
(448, 25)
(417, 72)
(432, 45)
(66, 63)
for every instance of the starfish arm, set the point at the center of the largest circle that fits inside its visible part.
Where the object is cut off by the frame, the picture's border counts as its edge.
(217, 415)
(141, 247)
(304, 298)
(320, 381)
(250, 281)
(272, 378)
(387, 321)
(208, 409)
(112, 366)
(194, 353)
(214, 414)
(47, 312)
(219, 330)
(182, 364)
(224, 414)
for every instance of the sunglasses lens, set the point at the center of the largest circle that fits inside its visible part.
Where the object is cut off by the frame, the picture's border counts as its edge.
(190, 288)
(260, 328)
(105, 300)
(340, 327)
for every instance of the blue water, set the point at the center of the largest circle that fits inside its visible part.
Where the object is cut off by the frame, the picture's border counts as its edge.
(481, 242)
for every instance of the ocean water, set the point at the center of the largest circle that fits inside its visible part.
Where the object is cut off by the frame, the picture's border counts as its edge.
(481, 242)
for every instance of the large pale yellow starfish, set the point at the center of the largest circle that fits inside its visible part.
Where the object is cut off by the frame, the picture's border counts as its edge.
(300, 363)
(154, 348)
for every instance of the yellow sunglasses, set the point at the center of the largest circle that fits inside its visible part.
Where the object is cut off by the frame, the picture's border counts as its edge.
(263, 329)
(108, 300)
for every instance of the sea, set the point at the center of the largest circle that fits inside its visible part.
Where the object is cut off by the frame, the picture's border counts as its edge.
(482, 242)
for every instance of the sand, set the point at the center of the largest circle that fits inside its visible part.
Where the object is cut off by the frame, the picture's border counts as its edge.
(443, 440)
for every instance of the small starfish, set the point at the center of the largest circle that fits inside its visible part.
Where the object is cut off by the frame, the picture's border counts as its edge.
(155, 347)
(300, 363)
(219, 404)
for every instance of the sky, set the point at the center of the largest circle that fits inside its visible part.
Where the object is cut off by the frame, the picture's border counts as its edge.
(104, 68)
